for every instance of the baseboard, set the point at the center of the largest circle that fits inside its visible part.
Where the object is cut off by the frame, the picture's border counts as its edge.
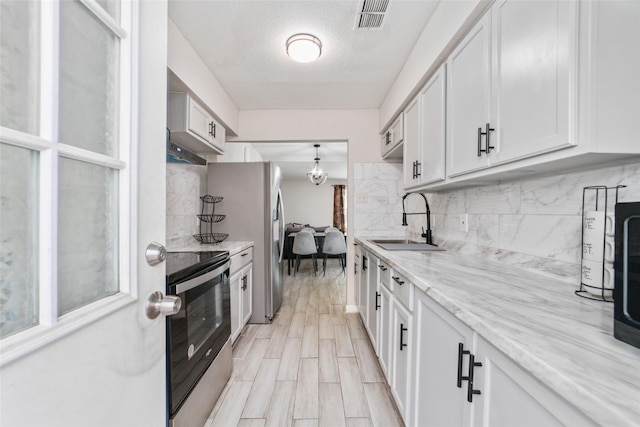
(351, 308)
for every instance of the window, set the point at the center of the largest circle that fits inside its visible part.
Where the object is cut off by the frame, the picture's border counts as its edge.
(65, 141)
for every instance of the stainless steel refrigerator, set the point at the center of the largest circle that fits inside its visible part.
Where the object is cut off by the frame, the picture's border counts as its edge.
(252, 203)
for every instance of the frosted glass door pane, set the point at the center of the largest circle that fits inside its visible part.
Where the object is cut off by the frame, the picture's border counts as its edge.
(18, 239)
(88, 234)
(88, 81)
(19, 65)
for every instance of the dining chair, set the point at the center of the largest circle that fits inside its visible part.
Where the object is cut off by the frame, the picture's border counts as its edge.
(334, 244)
(304, 244)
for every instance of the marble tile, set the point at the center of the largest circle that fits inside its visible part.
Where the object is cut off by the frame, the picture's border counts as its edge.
(498, 199)
(549, 236)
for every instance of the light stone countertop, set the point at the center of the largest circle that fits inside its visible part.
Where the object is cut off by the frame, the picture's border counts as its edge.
(564, 341)
(193, 245)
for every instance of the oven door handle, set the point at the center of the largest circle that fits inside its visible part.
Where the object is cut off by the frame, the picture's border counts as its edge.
(197, 281)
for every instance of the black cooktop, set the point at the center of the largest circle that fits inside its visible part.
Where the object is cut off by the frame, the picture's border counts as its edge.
(182, 266)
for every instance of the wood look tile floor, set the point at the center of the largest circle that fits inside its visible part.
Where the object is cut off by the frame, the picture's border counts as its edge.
(313, 366)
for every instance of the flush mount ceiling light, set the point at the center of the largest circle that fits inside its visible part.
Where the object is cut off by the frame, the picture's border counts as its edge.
(317, 176)
(304, 47)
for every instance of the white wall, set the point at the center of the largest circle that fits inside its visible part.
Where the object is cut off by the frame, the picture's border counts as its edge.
(357, 127)
(306, 203)
(185, 63)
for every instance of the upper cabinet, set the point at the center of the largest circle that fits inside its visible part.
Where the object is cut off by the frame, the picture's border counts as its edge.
(510, 83)
(392, 139)
(424, 146)
(192, 126)
(533, 87)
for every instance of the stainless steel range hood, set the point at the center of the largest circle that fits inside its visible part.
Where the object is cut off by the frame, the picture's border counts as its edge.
(178, 154)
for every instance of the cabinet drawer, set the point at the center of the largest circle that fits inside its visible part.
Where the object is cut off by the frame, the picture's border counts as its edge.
(241, 259)
(385, 275)
(402, 290)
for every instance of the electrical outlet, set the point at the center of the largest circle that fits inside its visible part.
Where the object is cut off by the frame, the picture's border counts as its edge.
(463, 222)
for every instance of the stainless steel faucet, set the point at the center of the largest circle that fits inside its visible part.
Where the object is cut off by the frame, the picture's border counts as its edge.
(425, 234)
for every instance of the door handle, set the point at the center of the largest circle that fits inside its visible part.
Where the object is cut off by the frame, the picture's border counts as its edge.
(158, 304)
(402, 331)
(461, 353)
(155, 253)
(470, 390)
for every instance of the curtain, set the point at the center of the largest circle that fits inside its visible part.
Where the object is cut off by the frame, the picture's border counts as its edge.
(339, 207)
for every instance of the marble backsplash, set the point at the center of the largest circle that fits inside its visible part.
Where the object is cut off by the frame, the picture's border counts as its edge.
(185, 185)
(534, 223)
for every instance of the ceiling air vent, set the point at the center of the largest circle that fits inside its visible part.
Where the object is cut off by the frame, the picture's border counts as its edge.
(371, 15)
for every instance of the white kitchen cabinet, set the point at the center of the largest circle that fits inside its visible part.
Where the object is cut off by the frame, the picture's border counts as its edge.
(373, 304)
(192, 126)
(502, 393)
(392, 139)
(385, 326)
(402, 351)
(438, 399)
(534, 76)
(527, 88)
(425, 142)
(510, 85)
(363, 288)
(468, 86)
(241, 290)
(411, 150)
(510, 396)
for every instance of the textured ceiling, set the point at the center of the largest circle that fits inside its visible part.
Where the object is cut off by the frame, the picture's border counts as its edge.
(243, 44)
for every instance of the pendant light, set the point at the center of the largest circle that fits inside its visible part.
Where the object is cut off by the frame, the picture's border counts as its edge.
(317, 176)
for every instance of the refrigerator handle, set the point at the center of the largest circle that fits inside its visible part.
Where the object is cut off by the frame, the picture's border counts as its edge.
(281, 223)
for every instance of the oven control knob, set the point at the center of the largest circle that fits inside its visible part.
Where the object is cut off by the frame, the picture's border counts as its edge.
(155, 253)
(158, 304)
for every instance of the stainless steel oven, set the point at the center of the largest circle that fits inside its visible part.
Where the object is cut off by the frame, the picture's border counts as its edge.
(199, 331)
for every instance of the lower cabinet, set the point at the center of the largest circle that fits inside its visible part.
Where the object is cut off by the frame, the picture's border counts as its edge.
(241, 291)
(373, 305)
(385, 329)
(439, 392)
(402, 350)
(461, 379)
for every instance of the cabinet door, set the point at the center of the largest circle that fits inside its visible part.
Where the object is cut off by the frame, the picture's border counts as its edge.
(534, 77)
(247, 294)
(432, 117)
(373, 309)
(510, 396)
(363, 296)
(438, 401)
(411, 143)
(468, 86)
(385, 326)
(199, 121)
(397, 131)
(235, 284)
(402, 350)
(217, 135)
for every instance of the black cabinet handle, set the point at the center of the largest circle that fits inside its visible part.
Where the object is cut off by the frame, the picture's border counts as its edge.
(418, 169)
(244, 283)
(382, 267)
(388, 137)
(244, 254)
(377, 299)
(212, 129)
(488, 131)
(398, 281)
(402, 331)
(364, 262)
(470, 390)
(461, 353)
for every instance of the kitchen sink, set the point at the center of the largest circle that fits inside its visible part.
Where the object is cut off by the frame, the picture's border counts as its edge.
(404, 245)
